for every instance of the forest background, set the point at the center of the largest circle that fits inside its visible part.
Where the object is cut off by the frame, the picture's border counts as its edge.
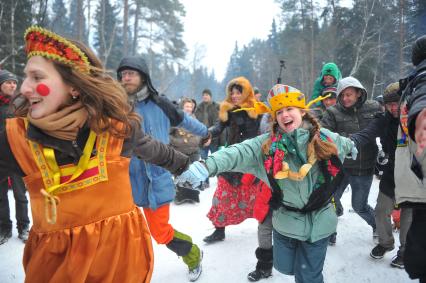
(370, 40)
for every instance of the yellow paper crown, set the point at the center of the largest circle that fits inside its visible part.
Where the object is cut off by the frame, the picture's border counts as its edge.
(281, 96)
(42, 42)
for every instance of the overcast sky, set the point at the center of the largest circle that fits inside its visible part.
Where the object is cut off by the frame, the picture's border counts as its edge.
(217, 24)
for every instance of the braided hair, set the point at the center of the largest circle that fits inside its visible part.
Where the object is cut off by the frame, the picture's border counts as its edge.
(323, 149)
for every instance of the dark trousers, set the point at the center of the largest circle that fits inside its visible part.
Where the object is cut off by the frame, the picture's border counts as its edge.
(360, 186)
(21, 204)
(415, 248)
(205, 150)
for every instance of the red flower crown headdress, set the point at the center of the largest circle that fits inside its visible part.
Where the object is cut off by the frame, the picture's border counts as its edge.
(42, 42)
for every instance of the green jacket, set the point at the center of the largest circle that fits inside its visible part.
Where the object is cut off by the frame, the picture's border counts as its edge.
(329, 69)
(247, 157)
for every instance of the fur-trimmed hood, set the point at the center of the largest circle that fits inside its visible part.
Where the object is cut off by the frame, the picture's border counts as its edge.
(248, 99)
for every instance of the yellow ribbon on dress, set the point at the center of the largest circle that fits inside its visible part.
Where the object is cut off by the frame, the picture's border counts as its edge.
(49, 154)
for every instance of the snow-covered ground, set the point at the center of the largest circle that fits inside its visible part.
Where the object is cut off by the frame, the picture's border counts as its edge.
(232, 259)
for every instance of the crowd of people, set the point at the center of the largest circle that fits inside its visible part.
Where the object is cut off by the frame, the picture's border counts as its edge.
(102, 159)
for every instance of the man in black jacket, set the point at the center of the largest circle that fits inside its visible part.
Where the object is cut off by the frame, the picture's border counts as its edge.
(386, 127)
(8, 84)
(352, 113)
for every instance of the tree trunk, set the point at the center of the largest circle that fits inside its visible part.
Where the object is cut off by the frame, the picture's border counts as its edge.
(136, 27)
(80, 22)
(401, 37)
(363, 38)
(312, 78)
(88, 18)
(12, 34)
(125, 27)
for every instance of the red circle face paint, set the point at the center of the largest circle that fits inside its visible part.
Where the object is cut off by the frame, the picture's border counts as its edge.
(43, 89)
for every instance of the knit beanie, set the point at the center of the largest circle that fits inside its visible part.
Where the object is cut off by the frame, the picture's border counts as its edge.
(418, 53)
(7, 76)
(329, 90)
(391, 93)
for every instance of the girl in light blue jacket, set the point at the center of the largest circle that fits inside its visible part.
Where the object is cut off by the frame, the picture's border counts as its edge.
(301, 162)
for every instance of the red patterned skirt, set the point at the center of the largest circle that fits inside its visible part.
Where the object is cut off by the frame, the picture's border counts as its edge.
(232, 205)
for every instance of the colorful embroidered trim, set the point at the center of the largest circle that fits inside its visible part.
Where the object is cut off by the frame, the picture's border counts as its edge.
(42, 42)
(96, 171)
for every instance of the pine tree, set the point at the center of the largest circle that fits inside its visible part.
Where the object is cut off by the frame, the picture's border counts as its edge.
(77, 22)
(12, 28)
(108, 36)
(59, 22)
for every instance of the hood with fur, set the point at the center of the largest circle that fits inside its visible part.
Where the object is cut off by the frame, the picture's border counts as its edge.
(248, 99)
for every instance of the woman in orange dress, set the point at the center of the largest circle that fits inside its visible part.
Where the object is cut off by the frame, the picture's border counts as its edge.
(72, 141)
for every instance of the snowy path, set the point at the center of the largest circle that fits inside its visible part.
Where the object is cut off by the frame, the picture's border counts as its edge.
(231, 260)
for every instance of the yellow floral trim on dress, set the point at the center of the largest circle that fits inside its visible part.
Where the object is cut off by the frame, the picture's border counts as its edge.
(95, 173)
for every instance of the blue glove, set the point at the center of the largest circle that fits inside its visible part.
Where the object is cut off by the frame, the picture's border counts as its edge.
(354, 151)
(196, 173)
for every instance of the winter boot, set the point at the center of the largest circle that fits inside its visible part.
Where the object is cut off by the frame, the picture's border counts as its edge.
(398, 260)
(263, 265)
(379, 251)
(192, 256)
(216, 236)
(5, 235)
(332, 239)
(23, 233)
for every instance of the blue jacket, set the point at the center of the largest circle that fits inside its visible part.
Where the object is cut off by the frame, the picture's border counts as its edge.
(153, 186)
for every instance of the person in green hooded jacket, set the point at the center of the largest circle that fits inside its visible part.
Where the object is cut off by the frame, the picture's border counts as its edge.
(330, 76)
(302, 163)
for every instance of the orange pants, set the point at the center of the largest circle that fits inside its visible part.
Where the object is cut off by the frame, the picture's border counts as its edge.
(158, 223)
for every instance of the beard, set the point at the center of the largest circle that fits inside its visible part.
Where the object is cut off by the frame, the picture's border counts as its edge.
(131, 89)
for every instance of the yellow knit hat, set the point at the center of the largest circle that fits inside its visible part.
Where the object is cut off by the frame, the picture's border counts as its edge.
(283, 96)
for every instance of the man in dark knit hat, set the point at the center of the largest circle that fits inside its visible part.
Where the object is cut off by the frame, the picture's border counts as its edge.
(8, 84)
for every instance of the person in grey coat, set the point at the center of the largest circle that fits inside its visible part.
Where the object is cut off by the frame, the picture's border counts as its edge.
(352, 113)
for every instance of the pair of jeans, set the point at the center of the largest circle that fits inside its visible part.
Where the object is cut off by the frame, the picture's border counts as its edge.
(264, 232)
(384, 207)
(302, 259)
(21, 204)
(360, 186)
(205, 150)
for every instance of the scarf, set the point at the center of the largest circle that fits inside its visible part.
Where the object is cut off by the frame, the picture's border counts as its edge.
(139, 96)
(63, 124)
(4, 99)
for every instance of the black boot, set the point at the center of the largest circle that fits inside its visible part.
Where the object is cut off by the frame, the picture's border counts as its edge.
(216, 236)
(263, 266)
(5, 235)
(332, 239)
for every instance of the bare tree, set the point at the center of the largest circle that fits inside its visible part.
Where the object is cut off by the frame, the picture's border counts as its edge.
(125, 27)
(80, 20)
(362, 53)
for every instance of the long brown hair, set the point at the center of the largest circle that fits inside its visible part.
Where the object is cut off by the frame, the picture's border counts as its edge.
(323, 149)
(102, 96)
